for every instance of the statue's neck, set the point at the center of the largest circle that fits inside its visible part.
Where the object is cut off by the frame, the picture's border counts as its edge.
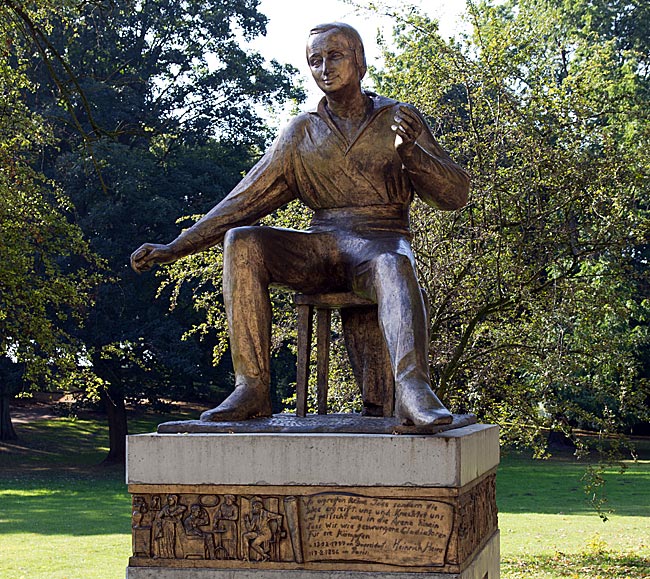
(350, 112)
(348, 104)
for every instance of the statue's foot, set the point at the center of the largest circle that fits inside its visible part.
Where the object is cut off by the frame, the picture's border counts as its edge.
(417, 404)
(247, 401)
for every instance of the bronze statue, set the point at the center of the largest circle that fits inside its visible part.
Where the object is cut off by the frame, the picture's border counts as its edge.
(356, 161)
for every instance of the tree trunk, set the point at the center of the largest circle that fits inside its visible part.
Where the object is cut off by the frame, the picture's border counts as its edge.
(7, 431)
(558, 440)
(113, 399)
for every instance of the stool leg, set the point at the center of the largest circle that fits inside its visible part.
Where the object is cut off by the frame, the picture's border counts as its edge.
(304, 350)
(323, 331)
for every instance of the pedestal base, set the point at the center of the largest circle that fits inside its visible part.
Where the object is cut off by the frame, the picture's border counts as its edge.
(484, 566)
(269, 505)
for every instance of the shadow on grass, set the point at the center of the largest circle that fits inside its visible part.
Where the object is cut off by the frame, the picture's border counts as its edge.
(555, 487)
(70, 441)
(56, 441)
(50, 483)
(599, 565)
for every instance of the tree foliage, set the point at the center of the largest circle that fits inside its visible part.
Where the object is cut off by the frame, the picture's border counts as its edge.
(156, 112)
(539, 288)
(46, 275)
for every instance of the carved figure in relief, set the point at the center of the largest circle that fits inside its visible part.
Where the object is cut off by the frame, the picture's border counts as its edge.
(225, 524)
(261, 528)
(198, 543)
(197, 518)
(357, 161)
(140, 509)
(141, 525)
(167, 530)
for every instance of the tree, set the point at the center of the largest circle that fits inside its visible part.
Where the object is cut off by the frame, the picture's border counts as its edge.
(540, 309)
(45, 280)
(161, 124)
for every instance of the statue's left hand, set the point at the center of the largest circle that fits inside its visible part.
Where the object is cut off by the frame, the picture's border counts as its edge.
(408, 128)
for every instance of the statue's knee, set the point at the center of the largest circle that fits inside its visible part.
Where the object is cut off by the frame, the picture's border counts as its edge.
(387, 264)
(239, 236)
(242, 243)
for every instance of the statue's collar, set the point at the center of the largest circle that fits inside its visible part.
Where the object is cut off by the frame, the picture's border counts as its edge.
(379, 102)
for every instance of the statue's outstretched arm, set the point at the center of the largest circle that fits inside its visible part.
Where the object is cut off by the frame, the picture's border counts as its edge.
(264, 189)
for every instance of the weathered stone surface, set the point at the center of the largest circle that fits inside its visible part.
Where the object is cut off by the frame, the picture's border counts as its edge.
(313, 423)
(448, 459)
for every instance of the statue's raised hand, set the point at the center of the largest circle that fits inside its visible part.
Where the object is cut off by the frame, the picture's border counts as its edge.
(408, 127)
(150, 254)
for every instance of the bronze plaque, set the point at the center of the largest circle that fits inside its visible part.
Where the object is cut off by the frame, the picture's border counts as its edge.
(399, 532)
(312, 527)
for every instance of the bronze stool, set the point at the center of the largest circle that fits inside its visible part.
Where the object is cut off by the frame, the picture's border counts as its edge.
(380, 377)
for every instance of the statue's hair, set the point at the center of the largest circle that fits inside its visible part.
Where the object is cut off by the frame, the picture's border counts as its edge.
(356, 44)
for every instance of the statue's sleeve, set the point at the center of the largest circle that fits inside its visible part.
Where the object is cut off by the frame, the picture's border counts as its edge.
(438, 181)
(266, 187)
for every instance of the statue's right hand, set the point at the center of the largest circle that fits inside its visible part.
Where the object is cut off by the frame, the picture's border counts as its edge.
(150, 254)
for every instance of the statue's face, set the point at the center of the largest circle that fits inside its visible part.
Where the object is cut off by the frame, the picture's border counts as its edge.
(332, 62)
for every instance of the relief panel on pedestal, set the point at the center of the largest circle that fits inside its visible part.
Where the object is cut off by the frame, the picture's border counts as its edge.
(210, 527)
(311, 530)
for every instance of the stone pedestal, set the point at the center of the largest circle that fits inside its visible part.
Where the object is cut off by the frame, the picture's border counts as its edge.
(314, 506)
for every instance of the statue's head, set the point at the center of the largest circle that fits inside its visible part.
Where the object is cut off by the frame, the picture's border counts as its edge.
(333, 39)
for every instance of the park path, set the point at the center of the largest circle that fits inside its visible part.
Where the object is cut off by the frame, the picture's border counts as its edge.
(26, 414)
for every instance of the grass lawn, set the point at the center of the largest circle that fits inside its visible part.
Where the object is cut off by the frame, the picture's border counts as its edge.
(548, 530)
(63, 524)
(62, 517)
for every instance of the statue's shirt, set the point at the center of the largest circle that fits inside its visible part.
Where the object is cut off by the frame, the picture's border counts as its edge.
(362, 184)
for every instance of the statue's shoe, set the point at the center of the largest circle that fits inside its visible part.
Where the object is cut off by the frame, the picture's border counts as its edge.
(244, 403)
(417, 404)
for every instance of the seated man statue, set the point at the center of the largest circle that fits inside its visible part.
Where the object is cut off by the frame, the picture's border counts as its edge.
(356, 161)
